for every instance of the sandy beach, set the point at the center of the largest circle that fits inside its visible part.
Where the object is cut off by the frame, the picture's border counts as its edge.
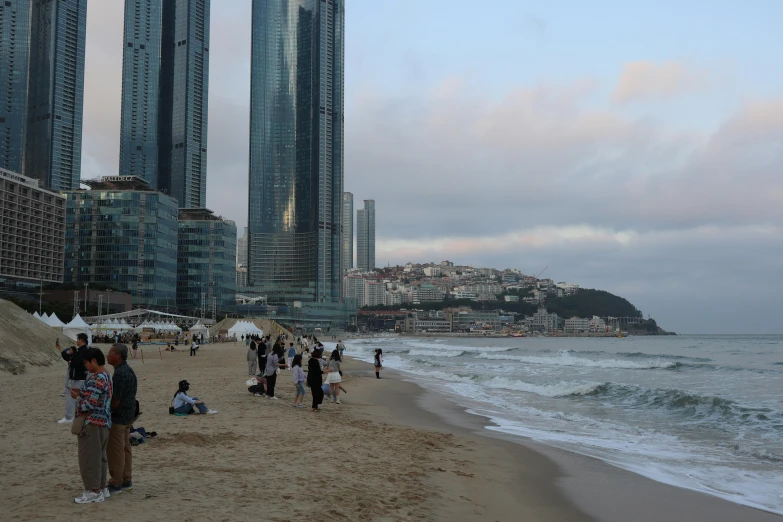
(391, 451)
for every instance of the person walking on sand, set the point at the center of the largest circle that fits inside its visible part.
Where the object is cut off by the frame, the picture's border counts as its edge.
(123, 412)
(252, 360)
(378, 363)
(135, 348)
(193, 347)
(315, 379)
(298, 378)
(93, 403)
(341, 348)
(77, 373)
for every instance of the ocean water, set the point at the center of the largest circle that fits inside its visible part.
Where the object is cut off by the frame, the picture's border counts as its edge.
(700, 412)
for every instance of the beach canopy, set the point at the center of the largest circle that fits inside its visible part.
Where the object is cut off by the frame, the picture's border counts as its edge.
(35, 314)
(44, 317)
(77, 326)
(198, 328)
(54, 321)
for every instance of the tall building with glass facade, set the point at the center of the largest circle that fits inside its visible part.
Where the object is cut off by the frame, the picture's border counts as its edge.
(184, 90)
(365, 236)
(296, 149)
(123, 234)
(14, 65)
(347, 239)
(206, 263)
(55, 99)
(140, 89)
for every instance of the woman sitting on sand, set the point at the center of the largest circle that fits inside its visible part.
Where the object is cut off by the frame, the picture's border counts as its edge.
(183, 404)
(333, 378)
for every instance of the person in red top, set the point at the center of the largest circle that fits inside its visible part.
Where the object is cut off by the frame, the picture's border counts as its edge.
(93, 402)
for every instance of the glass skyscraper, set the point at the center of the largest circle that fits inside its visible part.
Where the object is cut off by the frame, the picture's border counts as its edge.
(365, 236)
(347, 239)
(55, 102)
(140, 89)
(165, 91)
(14, 64)
(184, 89)
(296, 149)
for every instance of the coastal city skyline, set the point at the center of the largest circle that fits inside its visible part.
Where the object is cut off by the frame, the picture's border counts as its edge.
(615, 234)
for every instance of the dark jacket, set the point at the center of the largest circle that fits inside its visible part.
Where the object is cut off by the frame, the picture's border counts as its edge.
(124, 389)
(76, 369)
(315, 378)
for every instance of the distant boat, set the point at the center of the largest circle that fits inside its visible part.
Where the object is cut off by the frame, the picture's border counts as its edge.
(518, 334)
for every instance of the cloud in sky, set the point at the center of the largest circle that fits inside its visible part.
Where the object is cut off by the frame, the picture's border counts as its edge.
(645, 80)
(684, 220)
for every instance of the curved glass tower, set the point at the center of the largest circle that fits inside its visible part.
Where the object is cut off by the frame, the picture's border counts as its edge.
(296, 149)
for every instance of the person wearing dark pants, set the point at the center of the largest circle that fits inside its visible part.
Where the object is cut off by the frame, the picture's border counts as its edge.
(272, 364)
(123, 413)
(315, 379)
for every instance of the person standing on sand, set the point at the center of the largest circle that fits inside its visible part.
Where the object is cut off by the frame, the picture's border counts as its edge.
(77, 373)
(135, 348)
(298, 378)
(378, 363)
(193, 347)
(273, 362)
(93, 402)
(252, 360)
(340, 348)
(290, 355)
(123, 412)
(333, 378)
(315, 379)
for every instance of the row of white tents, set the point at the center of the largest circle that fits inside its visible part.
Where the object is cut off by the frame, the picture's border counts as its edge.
(244, 328)
(71, 330)
(78, 325)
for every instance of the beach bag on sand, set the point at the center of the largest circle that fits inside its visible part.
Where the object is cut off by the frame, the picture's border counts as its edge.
(77, 426)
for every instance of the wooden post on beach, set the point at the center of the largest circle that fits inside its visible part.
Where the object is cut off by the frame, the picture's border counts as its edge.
(142, 356)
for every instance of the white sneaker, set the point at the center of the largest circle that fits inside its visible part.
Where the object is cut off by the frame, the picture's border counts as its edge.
(273, 398)
(65, 420)
(258, 395)
(337, 402)
(106, 493)
(211, 412)
(89, 497)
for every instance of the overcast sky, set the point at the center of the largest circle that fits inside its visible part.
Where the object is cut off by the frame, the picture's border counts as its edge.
(635, 147)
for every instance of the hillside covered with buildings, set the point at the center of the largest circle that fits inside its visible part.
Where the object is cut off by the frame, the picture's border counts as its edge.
(449, 298)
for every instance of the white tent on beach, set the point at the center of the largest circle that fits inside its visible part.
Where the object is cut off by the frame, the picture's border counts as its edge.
(77, 326)
(244, 328)
(35, 314)
(44, 318)
(54, 321)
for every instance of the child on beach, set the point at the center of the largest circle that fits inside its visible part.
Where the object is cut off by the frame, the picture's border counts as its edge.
(298, 379)
(378, 363)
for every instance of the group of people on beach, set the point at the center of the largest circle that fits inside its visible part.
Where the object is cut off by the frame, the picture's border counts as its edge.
(272, 357)
(100, 408)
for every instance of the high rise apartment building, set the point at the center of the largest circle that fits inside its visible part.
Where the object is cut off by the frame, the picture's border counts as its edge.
(55, 93)
(296, 149)
(14, 66)
(347, 238)
(165, 89)
(32, 236)
(365, 236)
(141, 90)
(242, 250)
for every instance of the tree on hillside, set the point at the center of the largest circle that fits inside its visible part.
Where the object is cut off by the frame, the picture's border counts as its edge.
(588, 302)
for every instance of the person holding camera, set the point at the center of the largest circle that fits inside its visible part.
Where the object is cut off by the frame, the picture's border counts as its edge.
(77, 373)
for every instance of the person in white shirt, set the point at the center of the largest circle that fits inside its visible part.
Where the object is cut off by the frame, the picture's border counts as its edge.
(193, 347)
(185, 404)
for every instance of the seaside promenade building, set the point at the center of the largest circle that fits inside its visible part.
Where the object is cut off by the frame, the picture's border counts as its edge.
(55, 93)
(14, 65)
(32, 236)
(365, 236)
(165, 89)
(206, 263)
(123, 234)
(296, 150)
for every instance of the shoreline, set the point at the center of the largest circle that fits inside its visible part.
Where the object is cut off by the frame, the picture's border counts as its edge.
(598, 489)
